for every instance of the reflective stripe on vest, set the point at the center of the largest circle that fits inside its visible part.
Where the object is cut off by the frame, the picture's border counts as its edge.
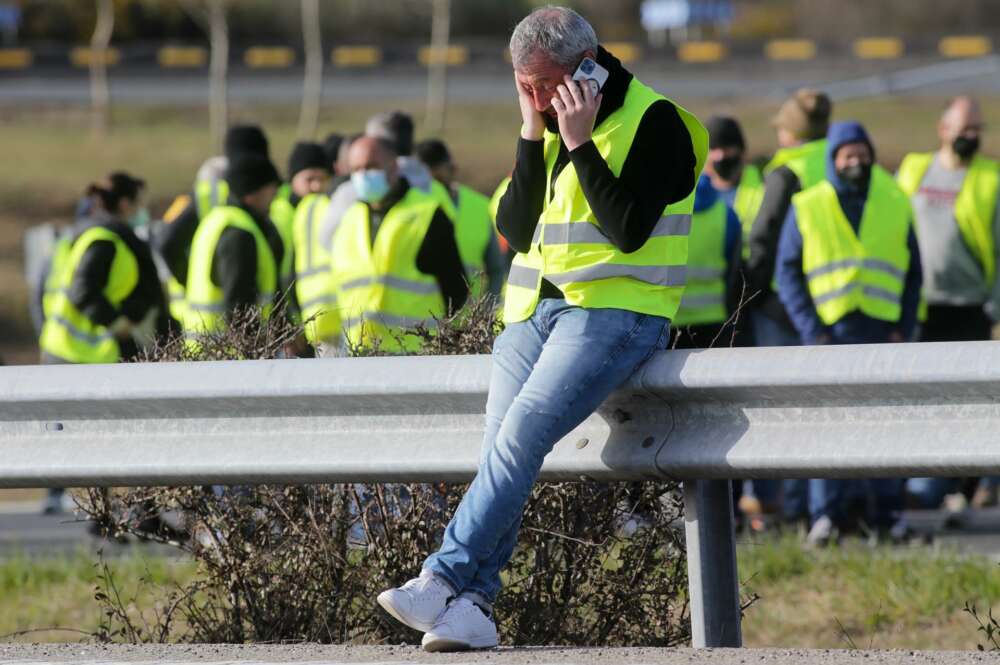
(314, 286)
(572, 252)
(210, 194)
(380, 291)
(205, 309)
(848, 272)
(806, 161)
(67, 333)
(704, 299)
(975, 207)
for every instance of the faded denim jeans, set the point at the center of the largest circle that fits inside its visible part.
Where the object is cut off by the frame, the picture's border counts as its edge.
(549, 374)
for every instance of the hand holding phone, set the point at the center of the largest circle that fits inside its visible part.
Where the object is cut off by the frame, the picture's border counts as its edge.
(591, 73)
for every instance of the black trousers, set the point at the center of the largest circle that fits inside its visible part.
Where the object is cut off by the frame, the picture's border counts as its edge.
(950, 323)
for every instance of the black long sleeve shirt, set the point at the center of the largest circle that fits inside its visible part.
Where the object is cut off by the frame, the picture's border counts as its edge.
(172, 240)
(234, 264)
(658, 171)
(779, 187)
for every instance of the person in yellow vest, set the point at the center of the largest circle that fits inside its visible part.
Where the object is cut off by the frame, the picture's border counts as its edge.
(104, 293)
(599, 208)
(703, 319)
(954, 196)
(172, 239)
(308, 174)
(739, 183)
(236, 251)
(395, 261)
(477, 240)
(494, 208)
(849, 273)
(801, 125)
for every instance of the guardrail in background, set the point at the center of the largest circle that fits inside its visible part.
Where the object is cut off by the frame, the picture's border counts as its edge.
(701, 417)
(457, 55)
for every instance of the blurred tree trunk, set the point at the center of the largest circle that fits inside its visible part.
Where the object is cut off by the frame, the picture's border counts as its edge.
(437, 80)
(100, 93)
(213, 19)
(312, 88)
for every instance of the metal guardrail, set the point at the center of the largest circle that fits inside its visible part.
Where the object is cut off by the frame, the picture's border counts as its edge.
(701, 417)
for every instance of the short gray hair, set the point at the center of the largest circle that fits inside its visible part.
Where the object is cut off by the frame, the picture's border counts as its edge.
(558, 32)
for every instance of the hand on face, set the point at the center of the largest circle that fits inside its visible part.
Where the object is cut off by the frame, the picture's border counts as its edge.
(577, 109)
(533, 124)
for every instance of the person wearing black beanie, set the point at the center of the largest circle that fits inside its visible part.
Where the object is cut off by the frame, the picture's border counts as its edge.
(248, 174)
(308, 170)
(242, 139)
(331, 146)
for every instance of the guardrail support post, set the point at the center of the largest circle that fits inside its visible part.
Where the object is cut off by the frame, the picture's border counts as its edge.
(711, 553)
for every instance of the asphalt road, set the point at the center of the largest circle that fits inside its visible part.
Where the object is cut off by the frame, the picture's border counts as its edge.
(302, 653)
(755, 79)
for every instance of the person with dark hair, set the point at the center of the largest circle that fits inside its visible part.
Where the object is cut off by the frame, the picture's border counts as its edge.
(477, 241)
(308, 173)
(331, 146)
(396, 264)
(739, 183)
(172, 240)
(236, 252)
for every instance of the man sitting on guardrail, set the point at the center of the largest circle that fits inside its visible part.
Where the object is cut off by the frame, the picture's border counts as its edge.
(849, 273)
(599, 209)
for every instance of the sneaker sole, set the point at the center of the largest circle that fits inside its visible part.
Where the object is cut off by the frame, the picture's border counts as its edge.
(385, 600)
(447, 645)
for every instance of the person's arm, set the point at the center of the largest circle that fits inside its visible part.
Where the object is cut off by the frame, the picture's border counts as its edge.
(234, 269)
(993, 304)
(496, 266)
(793, 287)
(779, 187)
(522, 203)
(733, 251)
(172, 240)
(439, 258)
(86, 290)
(658, 171)
(911, 289)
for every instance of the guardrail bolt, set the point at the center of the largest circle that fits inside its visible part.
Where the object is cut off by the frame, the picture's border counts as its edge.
(582, 443)
(648, 442)
(53, 427)
(622, 416)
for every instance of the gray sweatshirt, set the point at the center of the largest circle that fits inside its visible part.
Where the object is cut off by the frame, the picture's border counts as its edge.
(952, 275)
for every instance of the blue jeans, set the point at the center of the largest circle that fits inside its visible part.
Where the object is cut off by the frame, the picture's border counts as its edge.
(884, 499)
(549, 374)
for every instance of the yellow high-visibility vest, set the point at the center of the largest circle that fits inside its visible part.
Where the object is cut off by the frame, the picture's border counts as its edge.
(314, 284)
(704, 300)
(806, 161)
(572, 252)
(850, 271)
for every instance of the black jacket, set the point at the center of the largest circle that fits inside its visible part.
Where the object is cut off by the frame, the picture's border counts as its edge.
(780, 186)
(172, 240)
(658, 171)
(234, 264)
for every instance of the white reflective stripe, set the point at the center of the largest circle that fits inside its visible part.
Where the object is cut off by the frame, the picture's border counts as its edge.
(707, 300)
(524, 277)
(655, 275)
(391, 321)
(311, 215)
(420, 288)
(211, 309)
(536, 237)
(329, 299)
(705, 274)
(870, 291)
(871, 264)
(574, 233)
(82, 335)
(672, 225)
(312, 272)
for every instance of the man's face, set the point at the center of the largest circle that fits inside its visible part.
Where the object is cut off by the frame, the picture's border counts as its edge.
(368, 154)
(444, 173)
(962, 119)
(310, 181)
(852, 154)
(260, 201)
(724, 162)
(539, 77)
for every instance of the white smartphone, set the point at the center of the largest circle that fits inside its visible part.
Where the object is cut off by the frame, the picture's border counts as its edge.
(591, 72)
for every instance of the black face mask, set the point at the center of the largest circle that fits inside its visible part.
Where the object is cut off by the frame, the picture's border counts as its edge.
(965, 147)
(727, 167)
(857, 176)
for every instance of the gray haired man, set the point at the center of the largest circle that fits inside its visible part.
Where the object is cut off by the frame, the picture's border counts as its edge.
(598, 209)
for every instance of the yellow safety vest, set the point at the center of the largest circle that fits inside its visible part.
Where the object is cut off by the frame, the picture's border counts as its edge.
(205, 310)
(849, 271)
(473, 231)
(571, 251)
(53, 281)
(749, 197)
(704, 300)
(380, 291)
(806, 161)
(283, 215)
(497, 195)
(67, 333)
(975, 207)
(210, 194)
(314, 285)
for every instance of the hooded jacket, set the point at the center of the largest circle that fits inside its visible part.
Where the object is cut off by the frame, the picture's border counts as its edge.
(793, 287)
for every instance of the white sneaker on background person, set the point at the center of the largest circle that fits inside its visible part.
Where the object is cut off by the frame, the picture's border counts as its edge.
(821, 533)
(419, 602)
(463, 626)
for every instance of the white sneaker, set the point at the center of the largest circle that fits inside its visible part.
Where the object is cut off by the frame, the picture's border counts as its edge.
(463, 626)
(419, 602)
(821, 533)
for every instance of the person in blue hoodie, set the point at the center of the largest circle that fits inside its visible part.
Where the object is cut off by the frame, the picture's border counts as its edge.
(849, 273)
(714, 247)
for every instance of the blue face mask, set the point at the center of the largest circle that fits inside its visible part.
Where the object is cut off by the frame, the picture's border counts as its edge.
(371, 186)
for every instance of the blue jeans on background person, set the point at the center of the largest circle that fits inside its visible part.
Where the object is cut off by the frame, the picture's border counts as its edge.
(930, 492)
(549, 374)
(884, 499)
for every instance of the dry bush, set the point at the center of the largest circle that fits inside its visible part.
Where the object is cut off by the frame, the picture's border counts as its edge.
(597, 564)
